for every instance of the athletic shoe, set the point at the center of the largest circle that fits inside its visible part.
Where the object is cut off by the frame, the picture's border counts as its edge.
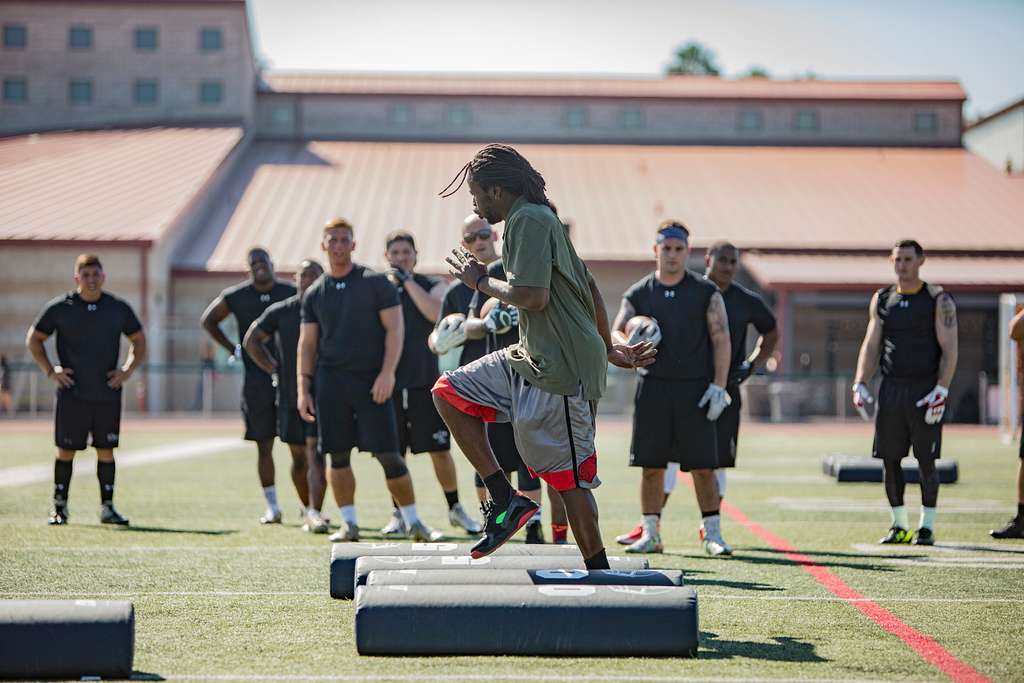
(534, 533)
(646, 544)
(502, 524)
(457, 516)
(108, 515)
(395, 528)
(59, 516)
(924, 536)
(715, 546)
(1012, 529)
(315, 524)
(897, 535)
(424, 534)
(271, 517)
(347, 533)
(632, 537)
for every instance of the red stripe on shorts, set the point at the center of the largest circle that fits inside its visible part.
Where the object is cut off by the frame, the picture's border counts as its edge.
(563, 480)
(446, 391)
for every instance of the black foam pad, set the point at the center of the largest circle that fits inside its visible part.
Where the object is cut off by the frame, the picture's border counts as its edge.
(525, 577)
(604, 621)
(66, 638)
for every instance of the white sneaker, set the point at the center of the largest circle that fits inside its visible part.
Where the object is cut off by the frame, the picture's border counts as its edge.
(348, 532)
(715, 546)
(457, 516)
(395, 526)
(646, 544)
(315, 524)
(271, 517)
(423, 534)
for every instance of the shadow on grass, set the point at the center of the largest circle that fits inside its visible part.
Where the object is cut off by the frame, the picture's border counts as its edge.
(171, 530)
(146, 676)
(827, 553)
(785, 561)
(783, 649)
(726, 583)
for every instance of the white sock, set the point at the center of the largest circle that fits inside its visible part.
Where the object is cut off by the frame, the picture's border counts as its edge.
(927, 518)
(651, 524)
(712, 526)
(720, 476)
(409, 514)
(270, 493)
(899, 517)
(536, 516)
(312, 512)
(348, 514)
(671, 477)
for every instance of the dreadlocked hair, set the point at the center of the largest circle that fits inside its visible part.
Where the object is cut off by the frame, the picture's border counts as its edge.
(503, 166)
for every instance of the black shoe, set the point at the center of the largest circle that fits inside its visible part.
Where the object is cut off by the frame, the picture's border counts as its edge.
(897, 535)
(924, 537)
(501, 525)
(1013, 529)
(108, 515)
(534, 533)
(59, 516)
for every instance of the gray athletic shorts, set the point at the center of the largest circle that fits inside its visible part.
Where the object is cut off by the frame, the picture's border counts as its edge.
(554, 433)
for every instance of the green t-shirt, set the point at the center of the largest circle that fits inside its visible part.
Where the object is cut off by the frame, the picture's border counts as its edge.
(559, 346)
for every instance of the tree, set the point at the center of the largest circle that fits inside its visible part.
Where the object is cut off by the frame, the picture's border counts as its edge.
(756, 72)
(694, 59)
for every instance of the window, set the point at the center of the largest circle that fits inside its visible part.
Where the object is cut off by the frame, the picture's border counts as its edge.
(211, 92)
(80, 91)
(15, 90)
(806, 120)
(15, 35)
(632, 118)
(458, 115)
(147, 91)
(750, 120)
(400, 115)
(211, 39)
(925, 122)
(80, 38)
(145, 38)
(576, 117)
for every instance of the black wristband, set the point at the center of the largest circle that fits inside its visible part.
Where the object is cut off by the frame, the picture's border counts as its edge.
(476, 286)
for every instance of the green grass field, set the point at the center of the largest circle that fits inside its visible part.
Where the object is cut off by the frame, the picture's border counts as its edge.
(218, 596)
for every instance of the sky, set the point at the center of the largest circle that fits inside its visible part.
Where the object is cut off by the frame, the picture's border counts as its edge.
(978, 42)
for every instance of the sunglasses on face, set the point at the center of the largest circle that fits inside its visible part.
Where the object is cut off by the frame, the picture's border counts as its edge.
(483, 234)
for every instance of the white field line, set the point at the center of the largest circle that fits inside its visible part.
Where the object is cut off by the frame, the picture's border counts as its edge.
(960, 506)
(326, 549)
(86, 464)
(415, 678)
(975, 550)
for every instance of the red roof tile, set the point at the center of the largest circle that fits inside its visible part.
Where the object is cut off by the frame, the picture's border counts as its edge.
(125, 185)
(759, 197)
(684, 87)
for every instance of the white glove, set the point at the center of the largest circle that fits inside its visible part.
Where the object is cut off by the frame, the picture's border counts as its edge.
(936, 402)
(449, 334)
(236, 356)
(716, 399)
(862, 398)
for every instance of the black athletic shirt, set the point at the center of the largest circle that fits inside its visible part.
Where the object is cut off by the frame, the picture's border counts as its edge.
(457, 299)
(247, 303)
(910, 347)
(89, 339)
(744, 308)
(281, 321)
(681, 312)
(417, 368)
(494, 341)
(348, 312)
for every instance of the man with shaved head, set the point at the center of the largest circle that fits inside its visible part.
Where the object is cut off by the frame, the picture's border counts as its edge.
(246, 301)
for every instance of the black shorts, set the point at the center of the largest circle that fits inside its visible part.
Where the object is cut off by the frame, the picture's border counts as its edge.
(669, 427)
(900, 425)
(420, 427)
(292, 428)
(727, 429)
(77, 419)
(259, 408)
(347, 416)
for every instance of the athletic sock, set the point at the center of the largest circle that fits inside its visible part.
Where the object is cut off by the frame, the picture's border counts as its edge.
(501, 491)
(651, 521)
(559, 532)
(900, 517)
(348, 514)
(1020, 511)
(712, 524)
(927, 518)
(61, 480)
(409, 514)
(452, 497)
(105, 473)
(598, 561)
(270, 493)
